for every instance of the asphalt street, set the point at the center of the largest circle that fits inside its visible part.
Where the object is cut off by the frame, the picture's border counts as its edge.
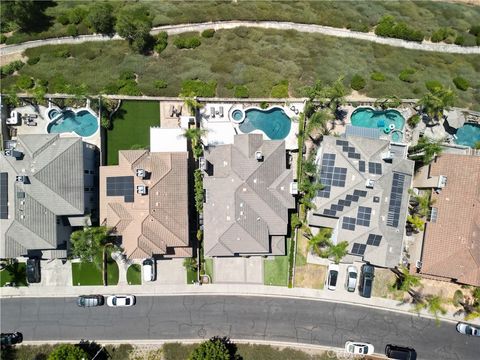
(256, 318)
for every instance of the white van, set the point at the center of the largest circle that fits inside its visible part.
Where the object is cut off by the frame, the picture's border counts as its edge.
(148, 270)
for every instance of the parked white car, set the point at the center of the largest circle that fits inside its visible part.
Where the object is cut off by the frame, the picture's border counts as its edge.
(351, 281)
(467, 329)
(148, 267)
(121, 300)
(332, 276)
(360, 348)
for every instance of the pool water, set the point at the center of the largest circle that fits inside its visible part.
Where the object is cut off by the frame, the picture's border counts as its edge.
(83, 123)
(468, 135)
(273, 122)
(370, 118)
(237, 115)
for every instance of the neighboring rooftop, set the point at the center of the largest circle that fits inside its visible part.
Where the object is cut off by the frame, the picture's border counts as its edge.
(145, 199)
(451, 245)
(42, 185)
(247, 187)
(365, 198)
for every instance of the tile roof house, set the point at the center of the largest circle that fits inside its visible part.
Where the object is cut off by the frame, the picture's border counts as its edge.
(145, 200)
(42, 194)
(451, 243)
(365, 197)
(247, 197)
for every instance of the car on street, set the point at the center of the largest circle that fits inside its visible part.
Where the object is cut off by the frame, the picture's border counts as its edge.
(332, 276)
(467, 329)
(8, 339)
(90, 300)
(33, 270)
(121, 300)
(400, 352)
(351, 281)
(358, 348)
(366, 280)
(148, 266)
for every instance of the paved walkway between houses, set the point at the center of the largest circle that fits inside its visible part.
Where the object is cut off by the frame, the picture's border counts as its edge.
(278, 25)
(155, 289)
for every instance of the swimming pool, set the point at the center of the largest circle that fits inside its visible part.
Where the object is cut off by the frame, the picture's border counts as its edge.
(273, 122)
(468, 135)
(83, 123)
(389, 121)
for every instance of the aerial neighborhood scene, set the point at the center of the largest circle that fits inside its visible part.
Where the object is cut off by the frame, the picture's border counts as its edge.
(240, 179)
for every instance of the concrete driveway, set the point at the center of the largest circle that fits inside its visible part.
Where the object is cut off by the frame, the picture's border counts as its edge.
(55, 273)
(170, 272)
(238, 270)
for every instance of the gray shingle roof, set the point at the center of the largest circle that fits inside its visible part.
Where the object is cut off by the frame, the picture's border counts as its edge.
(247, 200)
(54, 168)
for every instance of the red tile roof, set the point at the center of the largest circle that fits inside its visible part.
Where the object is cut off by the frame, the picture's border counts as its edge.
(451, 247)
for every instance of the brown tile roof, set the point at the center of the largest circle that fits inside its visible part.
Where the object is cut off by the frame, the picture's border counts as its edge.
(451, 247)
(153, 224)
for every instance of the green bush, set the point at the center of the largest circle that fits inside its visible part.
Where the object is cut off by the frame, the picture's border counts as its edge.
(475, 30)
(9, 69)
(388, 27)
(459, 40)
(100, 18)
(377, 76)
(127, 75)
(241, 91)
(433, 85)
(406, 75)
(199, 88)
(461, 83)
(442, 34)
(161, 42)
(413, 120)
(3, 38)
(24, 82)
(187, 42)
(208, 33)
(357, 82)
(280, 90)
(33, 60)
(264, 105)
(64, 53)
(77, 14)
(63, 19)
(67, 351)
(130, 87)
(72, 30)
(161, 84)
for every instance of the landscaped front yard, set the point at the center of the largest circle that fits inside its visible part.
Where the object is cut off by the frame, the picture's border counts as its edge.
(14, 273)
(307, 275)
(134, 274)
(275, 272)
(131, 127)
(91, 273)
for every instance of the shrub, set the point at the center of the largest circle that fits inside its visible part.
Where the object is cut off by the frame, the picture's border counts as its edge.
(3, 38)
(161, 84)
(130, 88)
(24, 82)
(264, 105)
(280, 90)
(101, 19)
(185, 42)
(77, 14)
(199, 88)
(433, 85)
(208, 33)
(413, 120)
(475, 30)
(441, 34)
(407, 75)
(387, 27)
(127, 75)
(161, 42)
(461, 83)
(62, 53)
(72, 30)
(357, 82)
(459, 40)
(241, 91)
(9, 69)
(33, 60)
(63, 19)
(377, 76)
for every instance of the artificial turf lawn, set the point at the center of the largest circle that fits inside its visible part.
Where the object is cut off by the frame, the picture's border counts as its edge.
(8, 276)
(275, 272)
(134, 274)
(131, 127)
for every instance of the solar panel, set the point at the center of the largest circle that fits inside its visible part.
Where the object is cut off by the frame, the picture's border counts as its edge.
(374, 239)
(348, 223)
(361, 193)
(358, 249)
(330, 175)
(375, 168)
(363, 216)
(3, 195)
(120, 186)
(330, 213)
(342, 143)
(395, 204)
(361, 166)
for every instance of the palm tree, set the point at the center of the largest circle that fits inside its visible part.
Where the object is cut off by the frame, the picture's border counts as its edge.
(309, 166)
(191, 103)
(434, 305)
(390, 101)
(425, 150)
(405, 281)
(336, 94)
(195, 134)
(436, 101)
(423, 202)
(308, 190)
(320, 240)
(318, 121)
(337, 251)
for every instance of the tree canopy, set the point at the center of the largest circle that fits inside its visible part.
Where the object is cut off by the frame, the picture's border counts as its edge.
(101, 19)
(26, 14)
(68, 352)
(85, 242)
(134, 24)
(214, 349)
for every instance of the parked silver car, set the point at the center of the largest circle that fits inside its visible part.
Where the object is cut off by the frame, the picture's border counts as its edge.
(90, 300)
(467, 329)
(351, 281)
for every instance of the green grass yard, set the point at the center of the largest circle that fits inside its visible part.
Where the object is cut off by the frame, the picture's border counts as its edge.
(209, 268)
(90, 273)
(112, 268)
(134, 274)
(191, 276)
(14, 273)
(275, 272)
(131, 126)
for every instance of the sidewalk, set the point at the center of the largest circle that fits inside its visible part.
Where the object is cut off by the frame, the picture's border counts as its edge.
(154, 289)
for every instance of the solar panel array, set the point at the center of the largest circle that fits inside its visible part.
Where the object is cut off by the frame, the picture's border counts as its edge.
(361, 166)
(396, 195)
(342, 203)
(120, 186)
(330, 175)
(3, 195)
(374, 239)
(363, 216)
(348, 223)
(350, 150)
(358, 249)
(375, 168)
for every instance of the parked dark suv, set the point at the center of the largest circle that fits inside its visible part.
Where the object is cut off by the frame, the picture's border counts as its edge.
(400, 352)
(9, 339)
(366, 281)
(33, 270)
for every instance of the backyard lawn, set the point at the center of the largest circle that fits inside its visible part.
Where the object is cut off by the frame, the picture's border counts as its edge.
(14, 273)
(131, 126)
(275, 272)
(134, 274)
